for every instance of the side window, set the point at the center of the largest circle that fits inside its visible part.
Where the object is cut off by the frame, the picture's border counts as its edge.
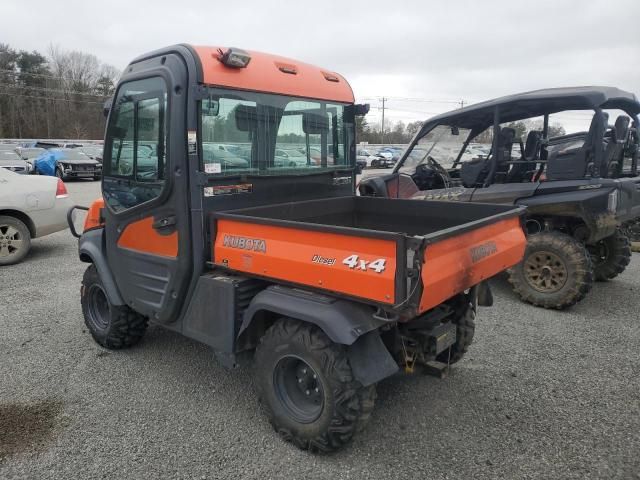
(134, 162)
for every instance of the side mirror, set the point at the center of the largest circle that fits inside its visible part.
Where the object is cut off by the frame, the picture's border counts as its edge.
(314, 124)
(106, 108)
(210, 108)
(361, 109)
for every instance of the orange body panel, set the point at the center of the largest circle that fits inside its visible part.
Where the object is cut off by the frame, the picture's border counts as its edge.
(457, 263)
(92, 220)
(263, 74)
(141, 237)
(309, 257)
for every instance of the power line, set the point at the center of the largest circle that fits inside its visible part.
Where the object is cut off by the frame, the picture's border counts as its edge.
(51, 98)
(41, 75)
(44, 89)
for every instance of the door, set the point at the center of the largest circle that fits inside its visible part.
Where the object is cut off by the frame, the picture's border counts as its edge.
(146, 205)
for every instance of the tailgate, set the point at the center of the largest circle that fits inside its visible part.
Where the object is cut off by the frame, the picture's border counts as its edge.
(457, 263)
(357, 265)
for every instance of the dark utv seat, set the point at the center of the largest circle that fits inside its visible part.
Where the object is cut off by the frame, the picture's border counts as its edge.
(524, 171)
(474, 172)
(614, 150)
(577, 163)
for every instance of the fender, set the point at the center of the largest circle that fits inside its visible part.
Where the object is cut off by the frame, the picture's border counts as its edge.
(344, 322)
(91, 250)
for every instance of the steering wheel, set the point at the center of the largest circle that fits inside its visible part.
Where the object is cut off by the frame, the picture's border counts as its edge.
(439, 168)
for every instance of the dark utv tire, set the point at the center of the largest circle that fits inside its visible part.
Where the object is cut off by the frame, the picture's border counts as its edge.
(610, 256)
(465, 328)
(307, 389)
(556, 271)
(111, 326)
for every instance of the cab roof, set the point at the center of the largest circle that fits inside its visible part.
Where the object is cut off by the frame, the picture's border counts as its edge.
(540, 102)
(273, 74)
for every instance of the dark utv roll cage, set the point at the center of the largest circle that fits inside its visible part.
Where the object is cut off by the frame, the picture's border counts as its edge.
(542, 103)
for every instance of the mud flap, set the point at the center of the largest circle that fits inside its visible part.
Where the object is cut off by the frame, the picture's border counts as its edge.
(370, 360)
(485, 297)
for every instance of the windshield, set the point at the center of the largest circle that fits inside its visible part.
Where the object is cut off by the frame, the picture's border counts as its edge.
(442, 144)
(74, 155)
(265, 134)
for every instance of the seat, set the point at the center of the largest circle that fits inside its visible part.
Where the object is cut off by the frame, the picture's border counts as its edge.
(577, 163)
(614, 150)
(474, 172)
(506, 138)
(530, 153)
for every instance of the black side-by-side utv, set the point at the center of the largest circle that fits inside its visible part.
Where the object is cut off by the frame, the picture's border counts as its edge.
(581, 189)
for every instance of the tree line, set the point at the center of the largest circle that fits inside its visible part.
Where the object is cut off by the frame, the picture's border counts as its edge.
(57, 95)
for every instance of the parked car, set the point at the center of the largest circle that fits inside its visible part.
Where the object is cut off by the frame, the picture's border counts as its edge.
(94, 152)
(30, 207)
(364, 157)
(213, 154)
(8, 147)
(69, 163)
(11, 161)
(289, 158)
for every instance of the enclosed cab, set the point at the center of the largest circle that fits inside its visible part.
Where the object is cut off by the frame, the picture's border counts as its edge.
(228, 214)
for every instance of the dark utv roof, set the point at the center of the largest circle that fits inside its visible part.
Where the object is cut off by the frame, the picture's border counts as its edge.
(540, 102)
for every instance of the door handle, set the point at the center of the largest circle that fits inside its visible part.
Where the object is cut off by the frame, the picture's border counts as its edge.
(164, 224)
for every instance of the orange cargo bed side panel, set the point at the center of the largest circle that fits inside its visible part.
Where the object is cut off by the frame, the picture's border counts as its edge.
(352, 265)
(455, 264)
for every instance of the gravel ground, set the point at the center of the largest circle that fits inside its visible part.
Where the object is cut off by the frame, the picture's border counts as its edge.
(541, 394)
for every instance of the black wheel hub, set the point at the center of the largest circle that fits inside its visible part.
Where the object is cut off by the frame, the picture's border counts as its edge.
(98, 307)
(299, 388)
(545, 271)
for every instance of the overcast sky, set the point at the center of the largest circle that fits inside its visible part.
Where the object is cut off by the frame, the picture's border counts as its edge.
(443, 51)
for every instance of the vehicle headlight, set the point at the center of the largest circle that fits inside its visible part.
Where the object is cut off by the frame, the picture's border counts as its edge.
(612, 201)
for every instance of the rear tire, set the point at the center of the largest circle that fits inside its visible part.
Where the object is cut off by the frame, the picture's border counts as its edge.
(111, 326)
(556, 271)
(307, 388)
(465, 328)
(15, 240)
(374, 163)
(610, 256)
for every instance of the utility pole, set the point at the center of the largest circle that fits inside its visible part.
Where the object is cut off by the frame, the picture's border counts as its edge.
(383, 100)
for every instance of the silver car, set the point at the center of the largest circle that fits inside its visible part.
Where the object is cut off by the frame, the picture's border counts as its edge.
(12, 161)
(30, 206)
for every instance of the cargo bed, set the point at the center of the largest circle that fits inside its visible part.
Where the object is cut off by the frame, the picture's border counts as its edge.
(397, 253)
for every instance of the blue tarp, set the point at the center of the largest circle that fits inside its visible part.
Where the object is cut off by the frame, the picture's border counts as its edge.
(45, 164)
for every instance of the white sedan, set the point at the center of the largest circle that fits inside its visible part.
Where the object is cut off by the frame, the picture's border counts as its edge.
(30, 207)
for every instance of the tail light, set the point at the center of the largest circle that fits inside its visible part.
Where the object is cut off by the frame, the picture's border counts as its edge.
(61, 190)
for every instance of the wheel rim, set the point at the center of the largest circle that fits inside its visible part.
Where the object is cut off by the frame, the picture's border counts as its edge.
(545, 271)
(11, 241)
(99, 311)
(299, 389)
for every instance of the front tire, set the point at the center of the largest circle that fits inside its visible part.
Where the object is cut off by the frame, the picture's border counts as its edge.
(15, 240)
(610, 256)
(111, 326)
(556, 271)
(307, 388)
(60, 174)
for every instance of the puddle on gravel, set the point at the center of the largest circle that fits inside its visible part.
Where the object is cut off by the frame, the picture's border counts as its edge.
(27, 427)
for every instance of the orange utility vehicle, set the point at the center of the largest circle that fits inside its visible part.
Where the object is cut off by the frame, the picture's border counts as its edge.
(216, 222)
